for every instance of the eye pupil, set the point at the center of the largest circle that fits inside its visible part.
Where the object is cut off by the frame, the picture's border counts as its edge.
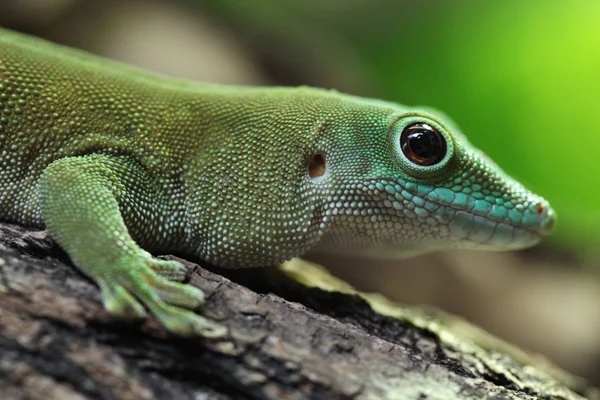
(422, 144)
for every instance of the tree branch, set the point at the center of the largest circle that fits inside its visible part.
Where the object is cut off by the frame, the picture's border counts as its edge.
(56, 341)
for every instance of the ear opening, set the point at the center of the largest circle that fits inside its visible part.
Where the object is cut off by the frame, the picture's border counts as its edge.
(317, 165)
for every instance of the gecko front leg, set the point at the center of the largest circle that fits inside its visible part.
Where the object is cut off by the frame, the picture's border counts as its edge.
(79, 200)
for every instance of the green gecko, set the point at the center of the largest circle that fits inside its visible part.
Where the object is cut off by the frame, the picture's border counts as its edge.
(116, 163)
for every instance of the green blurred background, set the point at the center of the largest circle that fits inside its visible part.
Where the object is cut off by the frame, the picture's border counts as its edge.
(521, 78)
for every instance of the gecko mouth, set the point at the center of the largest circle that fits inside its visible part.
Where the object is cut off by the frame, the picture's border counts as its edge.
(485, 231)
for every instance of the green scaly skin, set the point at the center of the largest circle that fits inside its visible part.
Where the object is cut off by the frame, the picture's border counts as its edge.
(116, 163)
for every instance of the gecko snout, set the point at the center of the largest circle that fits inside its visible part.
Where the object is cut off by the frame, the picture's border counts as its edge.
(547, 219)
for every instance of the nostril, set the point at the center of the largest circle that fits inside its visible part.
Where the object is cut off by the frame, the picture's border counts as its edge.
(540, 208)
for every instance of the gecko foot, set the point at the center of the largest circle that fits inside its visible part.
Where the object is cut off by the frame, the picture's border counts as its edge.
(126, 289)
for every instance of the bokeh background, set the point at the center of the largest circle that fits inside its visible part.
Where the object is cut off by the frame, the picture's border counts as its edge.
(521, 78)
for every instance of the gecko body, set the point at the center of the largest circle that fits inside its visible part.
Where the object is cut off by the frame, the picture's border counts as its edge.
(116, 163)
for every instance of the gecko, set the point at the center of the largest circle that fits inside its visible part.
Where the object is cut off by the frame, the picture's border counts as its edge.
(118, 163)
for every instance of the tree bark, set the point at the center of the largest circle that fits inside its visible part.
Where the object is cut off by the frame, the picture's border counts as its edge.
(286, 341)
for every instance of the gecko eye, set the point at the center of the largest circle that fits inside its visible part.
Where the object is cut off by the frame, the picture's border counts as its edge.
(422, 144)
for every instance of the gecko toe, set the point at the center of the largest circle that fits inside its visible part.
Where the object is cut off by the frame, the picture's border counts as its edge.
(180, 295)
(209, 329)
(169, 269)
(120, 303)
(187, 324)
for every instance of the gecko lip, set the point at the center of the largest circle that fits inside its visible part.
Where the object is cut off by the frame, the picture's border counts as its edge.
(483, 230)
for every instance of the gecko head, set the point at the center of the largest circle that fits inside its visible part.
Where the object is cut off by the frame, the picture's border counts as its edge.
(413, 183)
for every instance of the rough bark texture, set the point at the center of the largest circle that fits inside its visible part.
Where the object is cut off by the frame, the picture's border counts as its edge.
(57, 342)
